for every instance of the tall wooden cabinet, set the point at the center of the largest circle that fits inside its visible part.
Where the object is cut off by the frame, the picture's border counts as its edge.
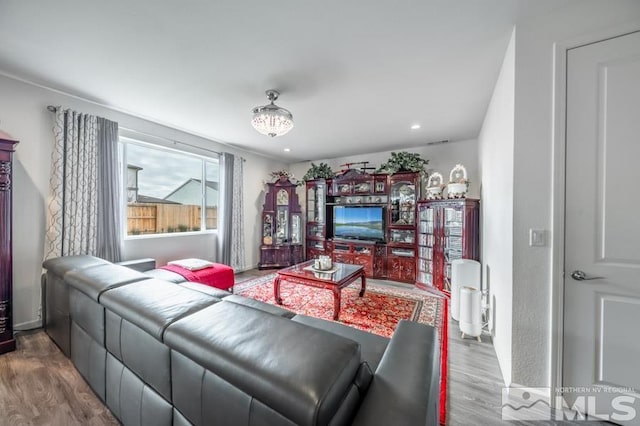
(7, 342)
(447, 230)
(404, 191)
(281, 244)
(318, 217)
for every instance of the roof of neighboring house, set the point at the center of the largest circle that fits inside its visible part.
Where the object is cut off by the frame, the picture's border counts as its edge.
(150, 200)
(209, 183)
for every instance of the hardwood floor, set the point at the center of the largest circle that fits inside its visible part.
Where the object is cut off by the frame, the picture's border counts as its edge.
(475, 384)
(40, 386)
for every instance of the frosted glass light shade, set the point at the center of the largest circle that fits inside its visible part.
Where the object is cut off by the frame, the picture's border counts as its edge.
(272, 120)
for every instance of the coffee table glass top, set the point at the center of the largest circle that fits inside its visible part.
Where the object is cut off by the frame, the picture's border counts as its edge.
(303, 270)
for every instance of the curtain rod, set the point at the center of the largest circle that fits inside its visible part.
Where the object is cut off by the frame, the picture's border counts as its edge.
(54, 109)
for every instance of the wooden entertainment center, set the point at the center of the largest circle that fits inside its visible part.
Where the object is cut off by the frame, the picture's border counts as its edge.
(393, 256)
(419, 238)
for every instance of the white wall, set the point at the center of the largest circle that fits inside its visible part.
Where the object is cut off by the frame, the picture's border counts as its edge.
(495, 146)
(533, 169)
(442, 158)
(23, 114)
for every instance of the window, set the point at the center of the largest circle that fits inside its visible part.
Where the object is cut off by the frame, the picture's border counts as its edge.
(165, 192)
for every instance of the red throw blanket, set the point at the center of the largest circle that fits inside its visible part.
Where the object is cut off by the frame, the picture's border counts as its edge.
(218, 275)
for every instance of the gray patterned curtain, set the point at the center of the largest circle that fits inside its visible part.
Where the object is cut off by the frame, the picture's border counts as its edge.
(109, 237)
(78, 216)
(231, 212)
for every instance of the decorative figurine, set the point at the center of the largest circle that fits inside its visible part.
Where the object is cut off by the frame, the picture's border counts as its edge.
(458, 182)
(435, 186)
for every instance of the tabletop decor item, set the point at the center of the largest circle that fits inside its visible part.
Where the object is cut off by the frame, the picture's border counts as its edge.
(322, 263)
(458, 182)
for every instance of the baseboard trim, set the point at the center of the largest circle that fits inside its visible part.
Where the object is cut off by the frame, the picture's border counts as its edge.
(27, 325)
(247, 268)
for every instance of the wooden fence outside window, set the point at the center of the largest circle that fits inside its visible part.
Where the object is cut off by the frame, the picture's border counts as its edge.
(152, 218)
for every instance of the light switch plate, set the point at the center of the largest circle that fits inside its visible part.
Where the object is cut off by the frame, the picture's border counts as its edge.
(537, 238)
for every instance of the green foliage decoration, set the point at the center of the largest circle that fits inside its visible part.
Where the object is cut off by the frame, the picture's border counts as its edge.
(319, 171)
(403, 162)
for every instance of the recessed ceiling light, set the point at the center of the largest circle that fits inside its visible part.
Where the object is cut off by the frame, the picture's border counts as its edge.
(415, 127)
(287, 150)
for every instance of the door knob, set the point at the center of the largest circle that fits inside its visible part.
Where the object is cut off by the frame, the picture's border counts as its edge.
(581, 276)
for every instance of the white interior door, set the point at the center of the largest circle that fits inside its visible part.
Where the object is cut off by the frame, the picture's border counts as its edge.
(602, 224)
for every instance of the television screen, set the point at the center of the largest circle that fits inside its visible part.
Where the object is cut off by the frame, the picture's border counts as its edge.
(359, 222)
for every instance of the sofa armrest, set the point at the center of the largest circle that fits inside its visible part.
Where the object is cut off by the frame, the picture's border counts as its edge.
(406, 386)
(140, 265)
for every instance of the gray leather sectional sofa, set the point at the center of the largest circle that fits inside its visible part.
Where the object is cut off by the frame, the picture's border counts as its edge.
(162, 351)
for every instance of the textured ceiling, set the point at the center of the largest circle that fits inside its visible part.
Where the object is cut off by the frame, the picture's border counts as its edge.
(355, 74)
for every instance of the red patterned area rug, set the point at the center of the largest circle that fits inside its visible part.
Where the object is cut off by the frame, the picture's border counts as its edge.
(378, 311)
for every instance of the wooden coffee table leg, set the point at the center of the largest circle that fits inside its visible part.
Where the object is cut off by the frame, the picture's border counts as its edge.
(364, 284)
(276, 290)
(336, 303)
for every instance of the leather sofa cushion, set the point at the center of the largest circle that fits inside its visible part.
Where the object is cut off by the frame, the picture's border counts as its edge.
(301, 372)
(140, 352)
(60, 265)
(256, 304)
(94, 280)
(415, 391)
(372, 345)
(141, 265)
(211, 291)
(165, 275)
(132, 400)
(154, 304)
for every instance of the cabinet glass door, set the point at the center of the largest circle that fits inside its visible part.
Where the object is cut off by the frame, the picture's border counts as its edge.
(453, 224)
(426, 240)
(267, 229)
(296, 229)
(282, 225)
(403, 202)
(316, 203)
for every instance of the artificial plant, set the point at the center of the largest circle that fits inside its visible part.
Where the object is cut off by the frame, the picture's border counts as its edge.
(320, 171)
(403, 162)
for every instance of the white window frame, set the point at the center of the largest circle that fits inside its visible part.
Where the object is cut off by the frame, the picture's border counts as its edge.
(123, 142)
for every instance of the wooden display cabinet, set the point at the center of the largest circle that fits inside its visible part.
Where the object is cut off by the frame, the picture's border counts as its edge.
(404, 193)
(447, 230)
(7, 341)
(281, 243)
(317, 218)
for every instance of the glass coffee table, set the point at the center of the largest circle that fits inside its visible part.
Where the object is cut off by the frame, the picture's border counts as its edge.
(337, 278)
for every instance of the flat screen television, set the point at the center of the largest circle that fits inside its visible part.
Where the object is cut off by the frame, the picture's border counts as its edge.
(359, 222)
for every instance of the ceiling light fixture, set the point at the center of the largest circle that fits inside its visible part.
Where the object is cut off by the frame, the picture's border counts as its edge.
(270, 119)
(415, 127)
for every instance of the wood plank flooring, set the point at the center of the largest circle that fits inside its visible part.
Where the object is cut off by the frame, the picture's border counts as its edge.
(475, 384)
(40, 386)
